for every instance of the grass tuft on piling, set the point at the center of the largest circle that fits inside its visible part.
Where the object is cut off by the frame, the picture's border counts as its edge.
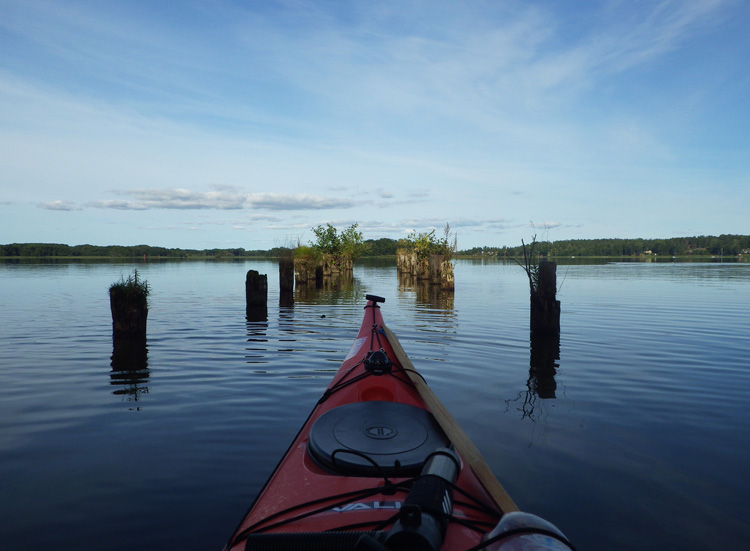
(129, 305)
(130, 290)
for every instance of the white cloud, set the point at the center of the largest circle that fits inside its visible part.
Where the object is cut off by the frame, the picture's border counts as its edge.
(223, 199)
(280, 201)
(59, 205)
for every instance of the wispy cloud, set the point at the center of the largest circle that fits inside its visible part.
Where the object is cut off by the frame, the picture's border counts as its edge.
(222, 199)
(404, 226)
(545, 225)
(280, 201)
(59, 205)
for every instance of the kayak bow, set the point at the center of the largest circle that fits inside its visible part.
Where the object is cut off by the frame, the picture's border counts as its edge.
(381, 464)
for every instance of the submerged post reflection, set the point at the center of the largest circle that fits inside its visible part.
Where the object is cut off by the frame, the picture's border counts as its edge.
(541, 384)
(543, 358)
(129, 364)
(426, 293)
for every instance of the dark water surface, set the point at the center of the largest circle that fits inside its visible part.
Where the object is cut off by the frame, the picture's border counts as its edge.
(632, 432)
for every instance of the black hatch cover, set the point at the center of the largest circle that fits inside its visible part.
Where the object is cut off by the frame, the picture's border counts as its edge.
(352, 438)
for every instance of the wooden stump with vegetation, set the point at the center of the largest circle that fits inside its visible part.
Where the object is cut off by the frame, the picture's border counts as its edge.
(428, 258)
(544, 307)
(338, 251)
(307, 260)
(128, 301)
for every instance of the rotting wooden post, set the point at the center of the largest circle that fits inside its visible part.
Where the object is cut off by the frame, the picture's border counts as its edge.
(286, 281)
(301, 271)
(129, 306)
(406, 262)
(422, 269)
(286, 274)
(256, 295)
(306, 271)
(403, 261)
(434, 264)
(447, 281)
(256, 289)
(545, 308)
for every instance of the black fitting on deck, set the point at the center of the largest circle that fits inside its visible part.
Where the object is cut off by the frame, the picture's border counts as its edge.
(375, 299)
(378, 363)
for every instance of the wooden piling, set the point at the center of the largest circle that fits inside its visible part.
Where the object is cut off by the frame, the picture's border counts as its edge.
(405, 261)
(256, 295)
(129, 306)
(286, 280)
(286, 274)
(545, 308)
(434, 263)
(447, 281)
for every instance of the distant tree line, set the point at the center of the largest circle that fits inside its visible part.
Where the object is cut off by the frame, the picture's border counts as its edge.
(372, 247)
(727, 245)
(55, 250)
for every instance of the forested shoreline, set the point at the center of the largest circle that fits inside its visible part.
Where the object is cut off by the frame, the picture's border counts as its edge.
(704, 245)
(722, 245)
(376, 247)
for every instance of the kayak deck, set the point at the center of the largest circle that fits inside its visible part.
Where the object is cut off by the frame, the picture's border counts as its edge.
(352, 464)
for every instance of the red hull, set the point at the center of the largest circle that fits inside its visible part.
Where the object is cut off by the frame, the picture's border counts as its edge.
(300, 486)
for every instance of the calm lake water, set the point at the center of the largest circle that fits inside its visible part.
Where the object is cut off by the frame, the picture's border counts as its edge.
(632, 432)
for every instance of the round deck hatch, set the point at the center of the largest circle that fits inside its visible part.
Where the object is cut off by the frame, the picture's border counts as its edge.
(397, 437)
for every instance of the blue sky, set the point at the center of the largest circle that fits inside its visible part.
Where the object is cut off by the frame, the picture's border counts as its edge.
(246, 123)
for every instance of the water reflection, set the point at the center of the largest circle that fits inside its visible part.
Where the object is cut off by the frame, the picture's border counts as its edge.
(129, 367)
(545, 353)
(257, 339)
(428, 295)
(541, 385)
(336, 289)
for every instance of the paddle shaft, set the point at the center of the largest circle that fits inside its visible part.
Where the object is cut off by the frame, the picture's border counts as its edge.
(453, 430)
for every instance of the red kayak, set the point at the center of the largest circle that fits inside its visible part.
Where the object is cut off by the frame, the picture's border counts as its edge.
(380, 464)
